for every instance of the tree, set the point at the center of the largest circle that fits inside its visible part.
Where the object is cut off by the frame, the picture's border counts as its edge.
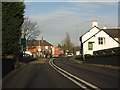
(67, 44)
(29, 29)
(12, 19)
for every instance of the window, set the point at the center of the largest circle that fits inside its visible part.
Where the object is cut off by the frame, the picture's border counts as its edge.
(90, 45)
(101, 40)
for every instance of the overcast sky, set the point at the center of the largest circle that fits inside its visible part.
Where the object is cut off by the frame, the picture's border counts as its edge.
(54, 19)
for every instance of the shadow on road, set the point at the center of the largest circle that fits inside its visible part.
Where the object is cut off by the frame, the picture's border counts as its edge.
(9, 64)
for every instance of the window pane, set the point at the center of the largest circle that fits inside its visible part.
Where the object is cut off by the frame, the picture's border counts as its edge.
(90, 46)
(101, 40)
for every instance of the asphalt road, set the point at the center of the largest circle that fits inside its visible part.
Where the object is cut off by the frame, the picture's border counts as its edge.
(101, 77)
(36, 75)
(42, 75)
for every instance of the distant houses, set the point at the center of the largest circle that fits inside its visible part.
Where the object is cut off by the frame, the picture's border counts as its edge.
(76, 50)
(38, 46)
(98, 39)
(94, 40)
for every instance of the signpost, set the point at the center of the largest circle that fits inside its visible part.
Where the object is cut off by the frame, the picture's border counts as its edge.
(23, 43)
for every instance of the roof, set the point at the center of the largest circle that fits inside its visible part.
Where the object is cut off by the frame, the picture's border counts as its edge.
(98, 32)
(115, 33)
(38, 43)
(89, 30)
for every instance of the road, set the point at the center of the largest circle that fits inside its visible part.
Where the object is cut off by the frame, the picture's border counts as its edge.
(101, 77)
(42, 75)
(36, 75)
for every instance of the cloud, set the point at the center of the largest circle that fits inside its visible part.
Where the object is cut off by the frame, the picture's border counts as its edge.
(74, 20)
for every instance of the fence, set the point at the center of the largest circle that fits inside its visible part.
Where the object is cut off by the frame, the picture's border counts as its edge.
(106, 57)
(111, 51)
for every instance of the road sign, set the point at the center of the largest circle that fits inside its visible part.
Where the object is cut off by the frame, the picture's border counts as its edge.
(23, 42)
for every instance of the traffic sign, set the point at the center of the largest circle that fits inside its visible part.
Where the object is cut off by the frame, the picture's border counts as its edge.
(23, 42)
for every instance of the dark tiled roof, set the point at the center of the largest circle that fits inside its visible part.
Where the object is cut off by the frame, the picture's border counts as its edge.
(115, 33)
(38, 43)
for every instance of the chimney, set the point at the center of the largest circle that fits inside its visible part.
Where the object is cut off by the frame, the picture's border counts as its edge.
(94, 23)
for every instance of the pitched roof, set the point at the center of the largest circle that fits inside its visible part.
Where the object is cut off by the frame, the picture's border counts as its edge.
(98, 32)
(89, 30)
(115, 33)
(38, 43)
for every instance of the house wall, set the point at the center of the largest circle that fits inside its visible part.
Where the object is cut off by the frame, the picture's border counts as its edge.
(33, 49)
(118, 39)
(109, 43)
(44, 47)
(77, 52)
(89, 34)
(85, 48)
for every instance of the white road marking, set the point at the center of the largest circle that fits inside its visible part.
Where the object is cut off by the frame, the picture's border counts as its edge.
(72, 77)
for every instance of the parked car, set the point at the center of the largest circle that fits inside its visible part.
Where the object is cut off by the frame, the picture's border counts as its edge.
(70, 55)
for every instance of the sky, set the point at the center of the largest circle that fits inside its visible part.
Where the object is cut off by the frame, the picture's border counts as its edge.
(55, 18)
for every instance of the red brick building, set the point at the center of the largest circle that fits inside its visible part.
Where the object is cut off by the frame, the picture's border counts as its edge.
(34, 46)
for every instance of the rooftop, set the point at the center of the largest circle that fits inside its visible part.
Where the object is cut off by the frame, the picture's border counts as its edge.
(38, 43)
(115, 33)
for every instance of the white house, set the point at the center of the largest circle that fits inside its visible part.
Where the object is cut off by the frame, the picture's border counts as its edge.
(98, 39)
(77, 50)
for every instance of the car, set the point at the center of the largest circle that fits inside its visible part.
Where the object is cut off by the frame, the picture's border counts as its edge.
(70, 55)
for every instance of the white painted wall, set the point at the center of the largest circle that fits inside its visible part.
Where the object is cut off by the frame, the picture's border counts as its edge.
(109, 43)
(46, 47)
(89, 34)
(53, 48)
(85, 49)
(116, 39)
(77, 52)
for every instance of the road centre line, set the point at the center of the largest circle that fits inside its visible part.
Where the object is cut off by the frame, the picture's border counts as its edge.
(81, 83)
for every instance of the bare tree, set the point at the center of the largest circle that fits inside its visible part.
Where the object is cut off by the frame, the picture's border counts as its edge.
(29, 29)
(67, 44)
